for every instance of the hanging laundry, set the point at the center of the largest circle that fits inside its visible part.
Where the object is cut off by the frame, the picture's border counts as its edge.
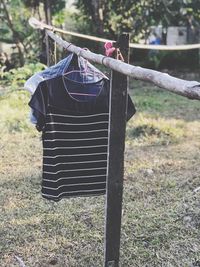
(54, 71)
(51, 72)
(72, 111)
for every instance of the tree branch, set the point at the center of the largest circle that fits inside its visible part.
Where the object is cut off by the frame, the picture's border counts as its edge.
(15, 34)
(189, 89)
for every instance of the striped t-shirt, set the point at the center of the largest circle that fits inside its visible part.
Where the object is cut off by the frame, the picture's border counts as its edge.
(75, 139)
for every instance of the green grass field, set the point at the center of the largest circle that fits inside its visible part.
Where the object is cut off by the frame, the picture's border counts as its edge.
(161, 208)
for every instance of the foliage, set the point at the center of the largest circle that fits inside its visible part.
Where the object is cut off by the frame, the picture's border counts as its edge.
(14, 26)
(173, 60)
(15, 78)
(55, 6)
(136, 16)
(12, 109)
(16, 30)
(102, 18)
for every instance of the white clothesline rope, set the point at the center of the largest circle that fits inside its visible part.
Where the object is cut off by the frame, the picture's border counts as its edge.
(41, 25)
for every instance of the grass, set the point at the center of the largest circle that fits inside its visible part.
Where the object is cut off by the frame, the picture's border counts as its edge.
(161, 214)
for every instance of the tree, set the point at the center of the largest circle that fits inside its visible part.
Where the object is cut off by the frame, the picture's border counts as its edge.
(50, 7)
(110, 17)
(14, 21)
(13, 30)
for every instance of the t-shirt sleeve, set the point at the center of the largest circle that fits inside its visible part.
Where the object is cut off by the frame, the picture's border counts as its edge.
(38, 103)
(130, 109)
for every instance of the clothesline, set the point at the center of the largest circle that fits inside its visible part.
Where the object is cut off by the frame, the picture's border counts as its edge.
(189, 89)
(38, 24)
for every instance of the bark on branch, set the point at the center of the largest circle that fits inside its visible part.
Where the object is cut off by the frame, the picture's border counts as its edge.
(189, 89)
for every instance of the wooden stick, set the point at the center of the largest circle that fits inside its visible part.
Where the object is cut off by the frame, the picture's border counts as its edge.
(189, 89)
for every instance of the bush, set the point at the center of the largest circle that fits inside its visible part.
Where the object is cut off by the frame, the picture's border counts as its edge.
(15, 78)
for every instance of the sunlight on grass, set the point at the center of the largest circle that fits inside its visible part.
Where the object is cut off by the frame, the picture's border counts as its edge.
(160, 225)
(15, 113)
(13, 203)
(147, 129)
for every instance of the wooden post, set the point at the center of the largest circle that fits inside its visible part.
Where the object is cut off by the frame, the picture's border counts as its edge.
(118, 111)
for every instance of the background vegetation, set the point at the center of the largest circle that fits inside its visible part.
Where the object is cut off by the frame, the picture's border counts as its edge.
(116, 16)
(100, 18)
(160, 226)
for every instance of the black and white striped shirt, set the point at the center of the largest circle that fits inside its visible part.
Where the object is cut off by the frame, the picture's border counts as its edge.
(75, 140)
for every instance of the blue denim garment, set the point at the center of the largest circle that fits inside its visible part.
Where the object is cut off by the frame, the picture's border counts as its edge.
(61, 68)
(32, 83)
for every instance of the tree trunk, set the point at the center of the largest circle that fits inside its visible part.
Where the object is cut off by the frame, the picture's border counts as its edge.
(16, 37)
(97, 15)
(21, 54)
(47, 11)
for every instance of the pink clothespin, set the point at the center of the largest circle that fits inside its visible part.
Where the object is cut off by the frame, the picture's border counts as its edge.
(109, 49)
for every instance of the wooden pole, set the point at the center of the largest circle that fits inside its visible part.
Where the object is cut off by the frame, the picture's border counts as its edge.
(117, 126)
